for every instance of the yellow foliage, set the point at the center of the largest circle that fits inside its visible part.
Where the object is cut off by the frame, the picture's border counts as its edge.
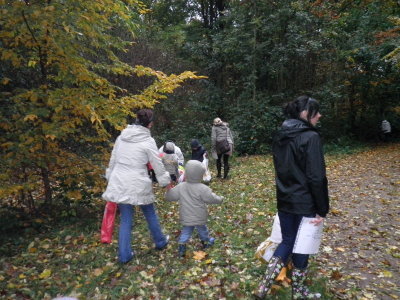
(199, 255)
(30, 118)
(45, 274)
(70, 105)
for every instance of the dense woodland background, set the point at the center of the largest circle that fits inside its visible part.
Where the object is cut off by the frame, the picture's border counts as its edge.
(72, 74)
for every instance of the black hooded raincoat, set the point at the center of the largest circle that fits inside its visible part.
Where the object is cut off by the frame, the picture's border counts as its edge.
(301, 183)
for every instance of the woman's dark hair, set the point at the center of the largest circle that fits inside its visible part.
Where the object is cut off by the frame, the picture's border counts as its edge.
(294, 108)
(144, 117)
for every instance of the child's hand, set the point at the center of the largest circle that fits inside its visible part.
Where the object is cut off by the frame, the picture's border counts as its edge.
(170, 186)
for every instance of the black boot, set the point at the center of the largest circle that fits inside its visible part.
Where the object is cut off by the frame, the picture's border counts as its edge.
(226, 171)
(182, 250)
(226, 166)
(219, 166)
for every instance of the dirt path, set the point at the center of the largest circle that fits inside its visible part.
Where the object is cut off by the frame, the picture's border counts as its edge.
(361, 247)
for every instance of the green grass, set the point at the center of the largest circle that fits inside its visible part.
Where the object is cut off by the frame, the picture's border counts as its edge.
(69, 259)
(345, 146)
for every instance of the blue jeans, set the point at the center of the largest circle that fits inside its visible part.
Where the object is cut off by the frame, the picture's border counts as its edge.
(125, 252)
(289, 225)
(186, 233)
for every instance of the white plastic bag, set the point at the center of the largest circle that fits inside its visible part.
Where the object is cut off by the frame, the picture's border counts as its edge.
(207, 173)
(265, 251)
(267, 248)
(276, 234)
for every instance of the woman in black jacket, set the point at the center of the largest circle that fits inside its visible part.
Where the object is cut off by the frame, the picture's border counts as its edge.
(301, 187)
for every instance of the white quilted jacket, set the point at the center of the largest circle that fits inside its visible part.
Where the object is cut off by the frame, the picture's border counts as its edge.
(128, 180)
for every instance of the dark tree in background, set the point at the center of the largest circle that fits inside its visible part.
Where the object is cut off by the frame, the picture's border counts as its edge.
(260, 54)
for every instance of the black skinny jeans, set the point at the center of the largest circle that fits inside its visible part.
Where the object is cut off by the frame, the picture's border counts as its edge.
(225, 158)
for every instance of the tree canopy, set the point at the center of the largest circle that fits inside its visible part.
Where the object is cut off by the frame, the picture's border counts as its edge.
(60, 97)
(73, 71)
(261, 54)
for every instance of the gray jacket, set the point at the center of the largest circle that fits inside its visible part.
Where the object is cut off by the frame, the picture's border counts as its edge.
(193, 196)
(218, 133)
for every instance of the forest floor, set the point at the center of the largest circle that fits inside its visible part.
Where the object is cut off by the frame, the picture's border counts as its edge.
(361, 246)
(358, 259)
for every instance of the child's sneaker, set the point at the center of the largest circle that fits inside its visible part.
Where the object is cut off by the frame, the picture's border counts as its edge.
(208, 244)
(182, 250)
(166, 244)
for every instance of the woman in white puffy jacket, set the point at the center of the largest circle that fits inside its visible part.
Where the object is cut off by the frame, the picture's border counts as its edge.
(129, 183)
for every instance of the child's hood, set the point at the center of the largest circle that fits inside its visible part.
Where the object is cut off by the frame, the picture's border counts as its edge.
(194, 171)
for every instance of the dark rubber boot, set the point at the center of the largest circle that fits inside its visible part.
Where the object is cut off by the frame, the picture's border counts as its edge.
(274, 268)
(299, 289)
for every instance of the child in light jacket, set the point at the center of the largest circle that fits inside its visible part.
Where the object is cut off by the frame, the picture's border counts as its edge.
(170, 161)
(193, 197)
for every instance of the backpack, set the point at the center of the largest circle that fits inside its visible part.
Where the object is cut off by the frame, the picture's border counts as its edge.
(223, 146)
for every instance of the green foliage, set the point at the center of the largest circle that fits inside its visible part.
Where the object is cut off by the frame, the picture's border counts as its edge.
(69, 81)
(261, 54)
(344, 146)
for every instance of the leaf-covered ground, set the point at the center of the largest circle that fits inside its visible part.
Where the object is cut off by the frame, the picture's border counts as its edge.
(359, 257)
(361, 248)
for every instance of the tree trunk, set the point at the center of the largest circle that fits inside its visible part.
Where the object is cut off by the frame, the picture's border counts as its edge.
(48, 198)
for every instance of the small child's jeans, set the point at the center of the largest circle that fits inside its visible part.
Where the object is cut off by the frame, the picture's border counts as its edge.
(186, 233)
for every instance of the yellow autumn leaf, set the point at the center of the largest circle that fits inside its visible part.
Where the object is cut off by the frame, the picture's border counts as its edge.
(31, 63)
(199, 255)
(50, 136)
(75, 194)
(5, 81)
(98, 272)
(283, 275)
(45, 274)
(31, 244)
(10, 285)
(30, 118)
(387, 274)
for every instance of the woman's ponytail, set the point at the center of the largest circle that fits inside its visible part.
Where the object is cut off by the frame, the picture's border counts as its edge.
(294, 108)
